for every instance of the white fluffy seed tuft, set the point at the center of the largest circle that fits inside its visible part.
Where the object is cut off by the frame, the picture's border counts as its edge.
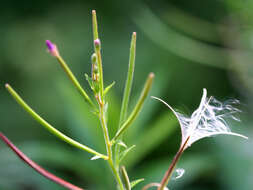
(207, 120)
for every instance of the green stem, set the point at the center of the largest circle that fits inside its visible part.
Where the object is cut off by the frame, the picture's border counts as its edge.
(101, 102)
(98, 52)
(49, 127)
(137, 108)
(74, 80)
(100, 71)
(109, 146)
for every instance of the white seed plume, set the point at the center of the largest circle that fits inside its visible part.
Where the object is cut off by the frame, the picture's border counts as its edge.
(208, 120)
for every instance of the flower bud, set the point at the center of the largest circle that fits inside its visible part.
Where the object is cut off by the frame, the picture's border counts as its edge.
(94, 58)
(52, 48)
(95, 69)
(97, 44)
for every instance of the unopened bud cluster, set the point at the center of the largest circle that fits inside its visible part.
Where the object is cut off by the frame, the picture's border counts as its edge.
(94, 72)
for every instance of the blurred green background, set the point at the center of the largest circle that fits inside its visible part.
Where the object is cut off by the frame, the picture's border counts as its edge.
(189, 45)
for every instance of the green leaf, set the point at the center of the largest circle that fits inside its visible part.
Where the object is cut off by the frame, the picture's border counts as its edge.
(95, 157)
(96, 87)
(146, 116)
(125, 178)
(135, 182)
(137, 107)
(128, 88)
(129, 80)
(108, 88)
(121, 143)
(90, 81)
(124, 153)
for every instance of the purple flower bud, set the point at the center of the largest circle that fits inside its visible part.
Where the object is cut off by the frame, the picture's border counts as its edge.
(97, 43)
(50, 45)
(52, 48)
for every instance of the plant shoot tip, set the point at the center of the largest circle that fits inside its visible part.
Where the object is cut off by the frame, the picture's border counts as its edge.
(52, 48)
(50, 45)
(151, 75)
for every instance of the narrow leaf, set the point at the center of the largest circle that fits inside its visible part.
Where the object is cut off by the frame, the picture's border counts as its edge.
(89, 81)
(95, 157)
(124, 153)
(128, 87)
(108, 88)
(135, 182)
(137, 107)
(36, 167)
(125, 178)
(49, 127)
(129, 80)
(94, 24)
(121, 143)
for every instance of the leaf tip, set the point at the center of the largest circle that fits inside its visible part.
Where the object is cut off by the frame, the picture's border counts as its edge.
(95, 157)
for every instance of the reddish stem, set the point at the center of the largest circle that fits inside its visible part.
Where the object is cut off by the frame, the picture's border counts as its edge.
(168, 173)
(36, 167)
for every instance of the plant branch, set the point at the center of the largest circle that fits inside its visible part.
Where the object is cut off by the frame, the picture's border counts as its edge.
(169, 172)
(49, 127)
(74, 80)
(108, 144)
(101, 102)
(97, 47)
(36, 167)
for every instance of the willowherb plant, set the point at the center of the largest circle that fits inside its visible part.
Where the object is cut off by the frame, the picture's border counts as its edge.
(208, 120)
(114, 151)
